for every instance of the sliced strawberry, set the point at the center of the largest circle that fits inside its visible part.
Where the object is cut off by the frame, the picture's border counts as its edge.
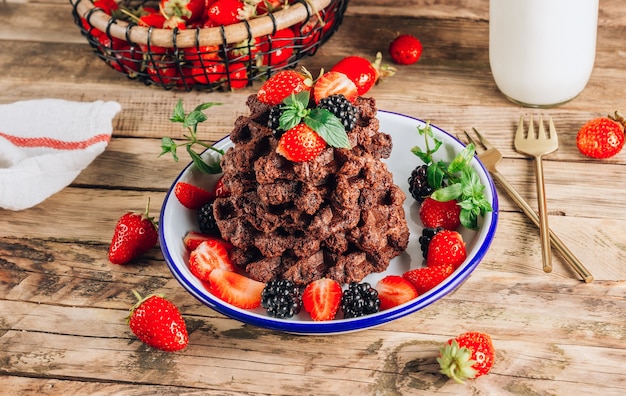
(190, 196)
(394, 290)
(332, 83)
(321, 299)
(426, 278)
(283, 84)
(209, 255)
(435, 214)
(235, 289)
(446, 248)
(192, 239)
(300, 144)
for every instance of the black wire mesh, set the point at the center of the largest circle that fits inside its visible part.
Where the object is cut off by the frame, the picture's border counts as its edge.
(220, 67)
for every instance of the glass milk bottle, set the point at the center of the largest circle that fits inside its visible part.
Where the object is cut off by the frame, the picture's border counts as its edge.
(542, 51)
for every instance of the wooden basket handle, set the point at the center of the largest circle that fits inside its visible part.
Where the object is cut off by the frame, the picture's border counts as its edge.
(234, 33)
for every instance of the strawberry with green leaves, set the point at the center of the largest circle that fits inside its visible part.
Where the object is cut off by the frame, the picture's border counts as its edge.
(456, 180)
(157, 322)
(602, 137)
(468, 356)
(134, 234)
(321, 299)
(308, 130)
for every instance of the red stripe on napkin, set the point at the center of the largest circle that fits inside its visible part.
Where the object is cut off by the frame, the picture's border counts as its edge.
(55, 143)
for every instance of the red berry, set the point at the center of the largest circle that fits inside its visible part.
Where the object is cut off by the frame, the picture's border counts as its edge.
(467, 356)
(277, 48)
(321, 299)
(235, 288)
(209, 255)
(601, 137)
(283, 84)
(334, 83)
(227, 12)
(446, 248)
(363, 73)
(435, 214)
(300, 144)
(394, 290)
(158, 322)
(405, 49)
(192, 239)
(190, 196)
(134, 234)
(219, 190)
(427, 278)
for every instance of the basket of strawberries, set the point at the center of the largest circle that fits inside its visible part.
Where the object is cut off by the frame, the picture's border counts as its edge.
(208, 45)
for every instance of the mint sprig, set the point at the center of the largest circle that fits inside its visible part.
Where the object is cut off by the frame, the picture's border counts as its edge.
(190, 121)
(296, 110)
(456, 180)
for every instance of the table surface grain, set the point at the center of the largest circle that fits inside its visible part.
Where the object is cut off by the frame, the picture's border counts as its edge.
(63, 305)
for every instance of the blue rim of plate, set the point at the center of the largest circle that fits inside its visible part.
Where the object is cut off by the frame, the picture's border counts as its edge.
(336, 326)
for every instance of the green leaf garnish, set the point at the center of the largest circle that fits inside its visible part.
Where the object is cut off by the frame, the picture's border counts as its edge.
(190, 122)
(455, 180)
(323, 122)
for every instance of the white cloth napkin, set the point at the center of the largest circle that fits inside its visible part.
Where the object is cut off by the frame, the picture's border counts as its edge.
(46, 143)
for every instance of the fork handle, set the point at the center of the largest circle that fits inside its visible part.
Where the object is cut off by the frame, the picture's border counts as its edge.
(563, 250)
(543, 217)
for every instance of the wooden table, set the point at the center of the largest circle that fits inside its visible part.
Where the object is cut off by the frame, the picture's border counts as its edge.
(63, 305)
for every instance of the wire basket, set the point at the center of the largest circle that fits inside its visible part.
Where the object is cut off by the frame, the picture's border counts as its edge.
(207, 58)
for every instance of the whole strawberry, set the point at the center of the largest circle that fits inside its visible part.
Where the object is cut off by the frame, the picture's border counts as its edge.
(467, 356)
(135, 234)
(446, 248)
(362, 72)
(283, 84)
(601, 137)
(300, 144)
(435, 214)
(158, 322)
(405, 49)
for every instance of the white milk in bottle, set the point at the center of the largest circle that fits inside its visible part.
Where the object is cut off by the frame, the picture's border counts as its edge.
(542, 51)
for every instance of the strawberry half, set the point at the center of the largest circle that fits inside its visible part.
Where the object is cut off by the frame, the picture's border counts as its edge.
(427, 278)
(158, 322)
(446, 248)
(283, 84)
(334, 83)
(394, 290)
(467, 356)
(300, 144)
(193, 239)
(192, 197)
(210, 254)
(134, 234)
(235, 289)
(602, 137)
(321, 299)
(435, 214)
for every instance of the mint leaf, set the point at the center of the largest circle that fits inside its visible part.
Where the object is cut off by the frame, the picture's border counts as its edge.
(329, 127)
(448, 193)
(294, 110)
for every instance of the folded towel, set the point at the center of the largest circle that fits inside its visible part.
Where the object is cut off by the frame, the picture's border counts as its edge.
(46, 143)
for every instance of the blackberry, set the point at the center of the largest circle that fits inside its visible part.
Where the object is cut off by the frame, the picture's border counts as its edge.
(418, 184)
(359, 299)
(273, 121)
(342, 108)
(427, 235)
(206, 220)
(281, 298)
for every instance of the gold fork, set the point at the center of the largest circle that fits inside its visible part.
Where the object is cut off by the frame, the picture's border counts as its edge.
(537, 146)
(490, 157)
